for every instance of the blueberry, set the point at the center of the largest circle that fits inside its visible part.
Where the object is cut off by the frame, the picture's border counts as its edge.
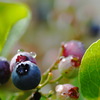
(74, 48)
(21, 57)
(43, 10)
(4, 70)
(26, 75)
(94, 29)
(35, 96)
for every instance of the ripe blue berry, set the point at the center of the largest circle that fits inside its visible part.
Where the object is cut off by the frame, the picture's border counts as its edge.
(94, 29)
(67, 92)
(74, 48)
(69, 67)
(4, 71)
(36, 96)
(26, 75)
(21, 57)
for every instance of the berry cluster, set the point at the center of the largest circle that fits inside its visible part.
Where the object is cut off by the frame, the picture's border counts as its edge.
(25, 72)
(26, 75)
(72, 53)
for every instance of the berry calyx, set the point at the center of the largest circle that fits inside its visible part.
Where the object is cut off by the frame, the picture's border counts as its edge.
(72, 92)
(74, 48)
(22, 69)
(21, 58)
(67, 92)
(75, 62)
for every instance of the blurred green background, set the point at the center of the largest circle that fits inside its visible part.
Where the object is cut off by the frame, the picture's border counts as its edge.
(55, 21)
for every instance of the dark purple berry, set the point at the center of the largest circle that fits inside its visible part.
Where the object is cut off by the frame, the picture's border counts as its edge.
(4, 70)
(21, 57)
(26, 75)
(74, 48)
(37, 96)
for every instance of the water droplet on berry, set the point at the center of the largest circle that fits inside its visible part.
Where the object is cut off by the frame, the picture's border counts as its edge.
(20, 50)
(33, 54)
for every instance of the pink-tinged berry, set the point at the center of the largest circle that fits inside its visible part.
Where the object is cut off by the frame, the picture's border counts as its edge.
(74, 48)
(67, 92)
(4, 70)
(21, 57)
(69, 67)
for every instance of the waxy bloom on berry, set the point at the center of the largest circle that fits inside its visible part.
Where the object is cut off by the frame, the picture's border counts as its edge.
(26, 75)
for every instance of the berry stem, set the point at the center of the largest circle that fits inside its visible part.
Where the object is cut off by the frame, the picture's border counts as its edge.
(45, 75)
(57, 79)
(46, 82)
(51, 92)
(54, 66)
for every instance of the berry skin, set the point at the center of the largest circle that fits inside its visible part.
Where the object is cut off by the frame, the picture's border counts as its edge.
(21, 57)
(26, 75)
(69, 66)
(4, 70)
(74, 48)
(67, 92)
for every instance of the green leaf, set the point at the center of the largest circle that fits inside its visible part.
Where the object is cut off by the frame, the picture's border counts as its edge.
(14, 19)
(89, 73)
